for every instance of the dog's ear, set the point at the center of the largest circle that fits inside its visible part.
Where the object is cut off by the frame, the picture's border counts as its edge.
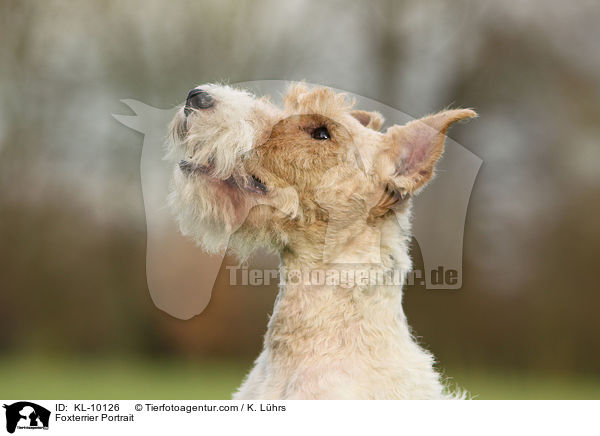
(372, 120)
(411, 151)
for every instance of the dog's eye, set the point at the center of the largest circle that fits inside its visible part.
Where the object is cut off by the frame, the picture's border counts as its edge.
(258, 184)
(321, 133)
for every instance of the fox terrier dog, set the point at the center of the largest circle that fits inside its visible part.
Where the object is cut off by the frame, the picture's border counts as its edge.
(319, 184)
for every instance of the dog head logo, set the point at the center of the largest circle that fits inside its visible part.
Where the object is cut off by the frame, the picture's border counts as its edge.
(215, 129)
(26, 415)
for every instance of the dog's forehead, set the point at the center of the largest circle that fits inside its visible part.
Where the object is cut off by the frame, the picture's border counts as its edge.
(298, 100)
(320, 100)
(322, 107)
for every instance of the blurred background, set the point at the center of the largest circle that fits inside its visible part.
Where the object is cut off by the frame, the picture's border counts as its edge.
(76, 318)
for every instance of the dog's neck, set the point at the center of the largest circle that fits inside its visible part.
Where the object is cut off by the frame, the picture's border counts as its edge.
(338, 332)
(355, 267)
(356, 331)
(337, 304)
(327, 311)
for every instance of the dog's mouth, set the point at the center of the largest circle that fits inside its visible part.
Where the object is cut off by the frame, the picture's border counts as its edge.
(189, 169)
(249, 182)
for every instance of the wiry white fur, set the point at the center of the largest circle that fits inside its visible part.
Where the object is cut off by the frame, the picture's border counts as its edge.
(222, 135)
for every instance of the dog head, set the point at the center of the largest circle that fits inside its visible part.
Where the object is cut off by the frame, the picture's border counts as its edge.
(249, 173)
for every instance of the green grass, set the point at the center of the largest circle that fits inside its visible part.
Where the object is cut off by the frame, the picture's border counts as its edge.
(484, 384)
(118, 379)
(87, 379)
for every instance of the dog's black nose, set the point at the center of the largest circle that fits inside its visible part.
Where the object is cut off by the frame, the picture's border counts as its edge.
(198, 99)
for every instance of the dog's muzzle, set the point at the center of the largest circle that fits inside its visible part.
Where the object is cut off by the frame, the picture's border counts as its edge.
(198, 99)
